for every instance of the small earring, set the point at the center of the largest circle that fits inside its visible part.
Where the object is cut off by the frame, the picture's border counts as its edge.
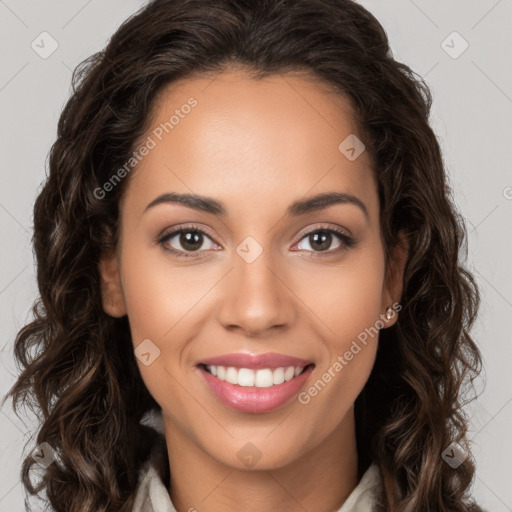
(389, 313)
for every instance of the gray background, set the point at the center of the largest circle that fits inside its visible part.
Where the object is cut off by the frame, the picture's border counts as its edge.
(471, 112)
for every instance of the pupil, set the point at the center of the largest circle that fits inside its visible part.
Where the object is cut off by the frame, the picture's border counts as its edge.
(322, 239)
(191, 240)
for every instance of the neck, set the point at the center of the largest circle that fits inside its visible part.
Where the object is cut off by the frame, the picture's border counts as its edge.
(322, 479)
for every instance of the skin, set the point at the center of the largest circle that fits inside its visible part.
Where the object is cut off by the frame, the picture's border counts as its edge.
(256, 146)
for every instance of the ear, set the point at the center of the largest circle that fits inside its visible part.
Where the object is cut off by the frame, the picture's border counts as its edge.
(110, 282)
(393, 282)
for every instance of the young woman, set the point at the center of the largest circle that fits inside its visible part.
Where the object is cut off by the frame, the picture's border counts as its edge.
(249, 262)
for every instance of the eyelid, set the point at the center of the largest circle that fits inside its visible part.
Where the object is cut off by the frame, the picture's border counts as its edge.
(323, 226)
(183, 227)
(347, 241)
(346, 238)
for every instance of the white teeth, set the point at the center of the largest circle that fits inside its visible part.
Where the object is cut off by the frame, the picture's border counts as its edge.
(278, 375)
(289, 373)
(232, 375)
(245, 377)
(263, 378)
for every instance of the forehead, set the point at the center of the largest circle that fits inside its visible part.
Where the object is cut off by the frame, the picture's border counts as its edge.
(233, 137)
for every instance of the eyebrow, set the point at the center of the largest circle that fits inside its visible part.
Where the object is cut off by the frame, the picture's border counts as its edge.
(299, 207)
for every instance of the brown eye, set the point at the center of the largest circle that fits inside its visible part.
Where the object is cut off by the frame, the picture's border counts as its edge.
(186, 240)
(325, 240)
(191, 240)
(321, 240)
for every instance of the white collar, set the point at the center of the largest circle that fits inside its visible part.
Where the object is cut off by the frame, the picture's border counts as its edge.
(152, 494)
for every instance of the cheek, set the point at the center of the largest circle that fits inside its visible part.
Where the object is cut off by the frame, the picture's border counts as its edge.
(162, 303)
(345, 298)
(336, 385)
(346, 301)
(159, 295)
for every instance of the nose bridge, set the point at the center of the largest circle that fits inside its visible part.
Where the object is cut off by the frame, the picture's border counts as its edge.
(254, 298)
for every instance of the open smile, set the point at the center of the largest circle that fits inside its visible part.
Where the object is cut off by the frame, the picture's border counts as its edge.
(255, 384)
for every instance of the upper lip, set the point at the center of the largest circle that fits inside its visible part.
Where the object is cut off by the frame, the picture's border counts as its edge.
(255, 361)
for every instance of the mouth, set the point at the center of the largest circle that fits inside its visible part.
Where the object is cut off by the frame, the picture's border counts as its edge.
(262, 378)
(255, 384)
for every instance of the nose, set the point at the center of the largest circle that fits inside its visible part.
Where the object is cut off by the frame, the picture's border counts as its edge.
(256, 298)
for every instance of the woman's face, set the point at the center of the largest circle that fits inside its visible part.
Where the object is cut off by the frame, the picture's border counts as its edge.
(259, 267)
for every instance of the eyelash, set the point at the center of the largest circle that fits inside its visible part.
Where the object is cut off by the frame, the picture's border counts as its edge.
(347, 241)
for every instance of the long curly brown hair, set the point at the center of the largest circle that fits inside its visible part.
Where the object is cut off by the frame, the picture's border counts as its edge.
(77, 365)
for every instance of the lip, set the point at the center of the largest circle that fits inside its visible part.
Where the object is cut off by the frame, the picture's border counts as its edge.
(251, 399)
(270, 360)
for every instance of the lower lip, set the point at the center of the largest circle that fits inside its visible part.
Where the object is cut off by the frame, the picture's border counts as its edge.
(252, 399)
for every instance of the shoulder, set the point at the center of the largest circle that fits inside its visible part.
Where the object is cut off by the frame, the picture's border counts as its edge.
(366, 496)
(151, 494)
